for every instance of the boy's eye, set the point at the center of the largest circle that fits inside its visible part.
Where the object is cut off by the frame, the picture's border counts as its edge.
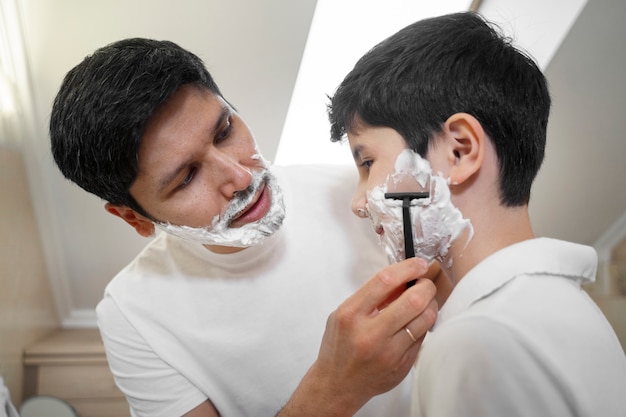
(367, 164)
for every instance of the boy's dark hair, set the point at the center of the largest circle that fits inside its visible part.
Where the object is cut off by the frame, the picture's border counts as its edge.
(417, 78)
(102, 108)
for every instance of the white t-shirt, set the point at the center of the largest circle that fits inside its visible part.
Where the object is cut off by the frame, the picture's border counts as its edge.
(519, 337)
(182, 324)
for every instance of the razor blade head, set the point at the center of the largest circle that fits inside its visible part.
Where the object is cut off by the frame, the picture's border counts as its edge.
(419, 195)
(416, 187)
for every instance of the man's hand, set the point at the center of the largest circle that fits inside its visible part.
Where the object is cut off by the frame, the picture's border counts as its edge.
(366, 349)
(441, 281)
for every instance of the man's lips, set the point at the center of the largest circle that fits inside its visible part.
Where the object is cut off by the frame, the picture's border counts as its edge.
(256, 210)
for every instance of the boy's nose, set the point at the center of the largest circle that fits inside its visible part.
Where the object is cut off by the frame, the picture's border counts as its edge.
(359, 206)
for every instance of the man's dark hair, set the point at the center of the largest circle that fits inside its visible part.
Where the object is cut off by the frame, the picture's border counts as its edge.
(417, 78)
(103, 105)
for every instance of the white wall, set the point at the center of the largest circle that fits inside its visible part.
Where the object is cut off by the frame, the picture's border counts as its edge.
(253, 49)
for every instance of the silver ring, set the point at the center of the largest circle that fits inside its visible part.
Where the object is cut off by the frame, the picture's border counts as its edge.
(410, 334)
(362, 213)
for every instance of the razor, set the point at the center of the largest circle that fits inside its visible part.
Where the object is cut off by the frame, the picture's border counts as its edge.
(407, 227)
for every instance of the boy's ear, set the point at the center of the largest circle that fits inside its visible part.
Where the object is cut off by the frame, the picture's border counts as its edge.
(141, 224)
(466, 140)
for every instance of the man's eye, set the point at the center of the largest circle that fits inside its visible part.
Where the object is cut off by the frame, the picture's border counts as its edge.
(225, 133)
(188, 178)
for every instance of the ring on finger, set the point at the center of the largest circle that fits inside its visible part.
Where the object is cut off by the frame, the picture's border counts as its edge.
(406, 329)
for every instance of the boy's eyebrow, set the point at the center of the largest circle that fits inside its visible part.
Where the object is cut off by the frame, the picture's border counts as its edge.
(167, 179)
(356, 153)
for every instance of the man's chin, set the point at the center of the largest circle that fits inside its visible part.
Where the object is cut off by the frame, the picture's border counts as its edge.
(261, 220)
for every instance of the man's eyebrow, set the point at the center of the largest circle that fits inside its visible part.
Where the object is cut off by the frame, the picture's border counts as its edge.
(167, 179)
(171, 176)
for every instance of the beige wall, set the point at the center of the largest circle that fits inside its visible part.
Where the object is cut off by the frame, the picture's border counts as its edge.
(614, 305)
(618, 267)
(255, 61)
(27, 310)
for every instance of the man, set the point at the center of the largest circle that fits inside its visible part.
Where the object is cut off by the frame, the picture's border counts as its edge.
(223, 313)
(447, 107)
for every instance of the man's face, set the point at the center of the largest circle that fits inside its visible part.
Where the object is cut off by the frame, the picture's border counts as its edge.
(386, 165)
(199, 169)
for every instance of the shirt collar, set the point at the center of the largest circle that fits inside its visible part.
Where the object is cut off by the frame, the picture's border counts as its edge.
(541, 256)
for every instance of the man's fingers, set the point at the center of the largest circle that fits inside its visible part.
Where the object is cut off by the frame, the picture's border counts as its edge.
(387, 283)
(416, 329)
(408, 307)
(443, 284)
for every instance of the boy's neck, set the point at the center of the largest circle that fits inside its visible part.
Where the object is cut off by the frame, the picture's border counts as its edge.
(493, 230)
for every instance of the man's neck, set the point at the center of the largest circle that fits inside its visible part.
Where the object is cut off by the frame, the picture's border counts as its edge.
(223, 249)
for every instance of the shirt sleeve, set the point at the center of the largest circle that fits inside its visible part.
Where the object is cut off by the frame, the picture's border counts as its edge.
(151, 386)
(478, 367)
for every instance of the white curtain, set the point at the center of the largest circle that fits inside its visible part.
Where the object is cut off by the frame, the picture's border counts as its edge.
(14, 86)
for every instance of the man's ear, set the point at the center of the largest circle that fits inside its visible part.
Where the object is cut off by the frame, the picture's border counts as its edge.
(466, 140)
(141, 224)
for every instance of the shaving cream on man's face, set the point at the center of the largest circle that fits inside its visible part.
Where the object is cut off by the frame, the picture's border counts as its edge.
(219, 233)
(436, 221)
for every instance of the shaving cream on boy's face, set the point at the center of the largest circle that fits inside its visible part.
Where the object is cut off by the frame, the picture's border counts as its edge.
(219, 233)
(436, 221)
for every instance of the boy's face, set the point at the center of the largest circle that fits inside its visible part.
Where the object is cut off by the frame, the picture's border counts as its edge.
(386, 165)
(375, 151)
(199, 168)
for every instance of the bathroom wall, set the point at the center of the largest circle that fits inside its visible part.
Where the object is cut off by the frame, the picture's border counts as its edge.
(613, 304)
(253, 49)
(618, 267)
(27, 310)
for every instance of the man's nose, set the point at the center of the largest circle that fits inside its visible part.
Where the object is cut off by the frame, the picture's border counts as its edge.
(234, 176)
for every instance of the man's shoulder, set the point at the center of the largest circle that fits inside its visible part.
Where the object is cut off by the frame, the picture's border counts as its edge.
(157, 257)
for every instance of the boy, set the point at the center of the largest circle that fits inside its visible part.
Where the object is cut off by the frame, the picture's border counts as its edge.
(450, 107)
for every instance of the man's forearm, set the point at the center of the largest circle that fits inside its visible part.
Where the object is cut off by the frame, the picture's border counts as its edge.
(316, 396)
